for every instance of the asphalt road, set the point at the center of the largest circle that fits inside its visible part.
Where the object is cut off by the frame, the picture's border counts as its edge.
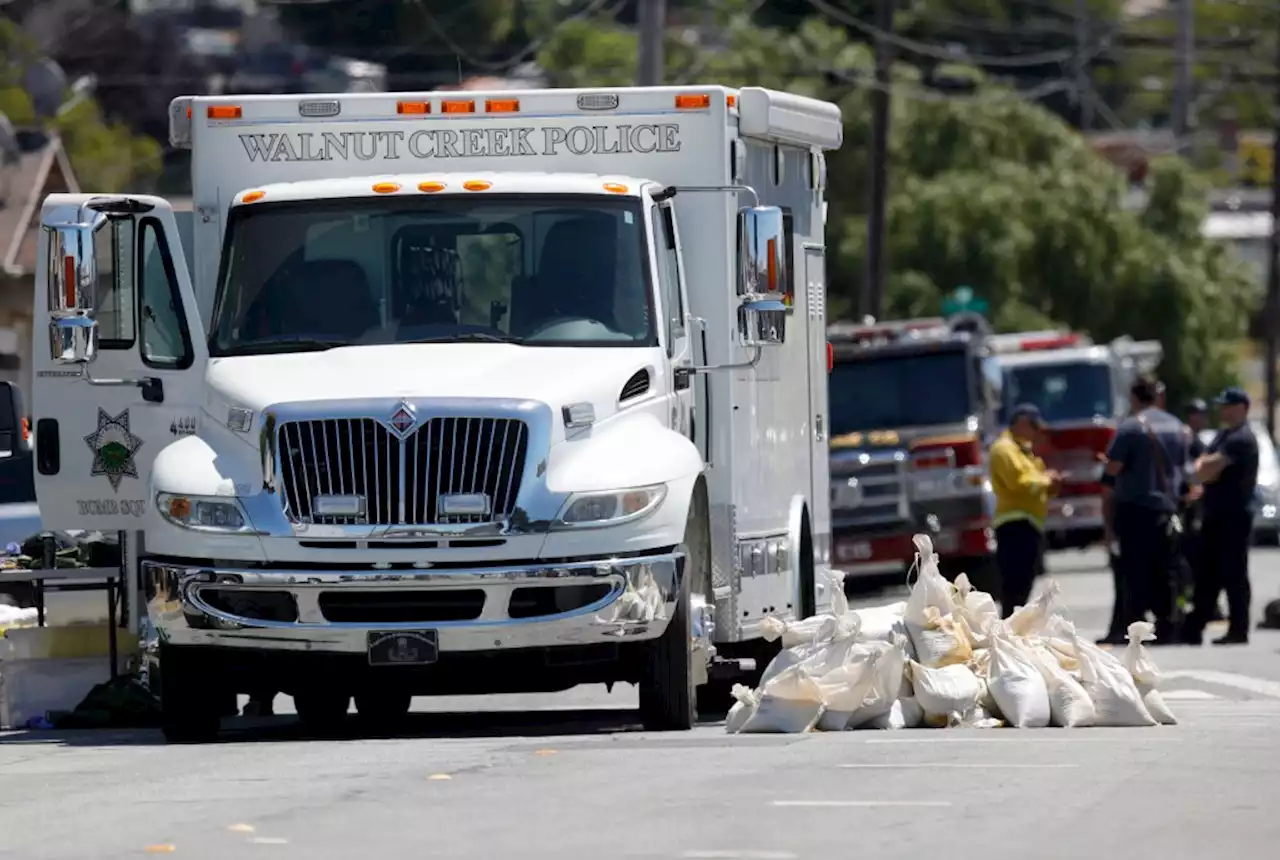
(569, 777)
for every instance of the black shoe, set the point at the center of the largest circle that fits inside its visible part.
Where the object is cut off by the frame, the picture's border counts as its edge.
(1232, 639)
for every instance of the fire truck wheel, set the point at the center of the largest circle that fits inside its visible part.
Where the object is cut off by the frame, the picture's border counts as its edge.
(191, 698)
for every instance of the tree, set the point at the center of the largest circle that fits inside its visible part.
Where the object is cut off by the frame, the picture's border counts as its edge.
(986, 190)
(106, 156)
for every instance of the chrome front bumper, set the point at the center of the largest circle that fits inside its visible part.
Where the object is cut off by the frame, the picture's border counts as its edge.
(631, 600)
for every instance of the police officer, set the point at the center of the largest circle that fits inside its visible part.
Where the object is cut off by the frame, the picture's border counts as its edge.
(1197, 412)
(1145, 463)
(1198, 421)
(1229, 470)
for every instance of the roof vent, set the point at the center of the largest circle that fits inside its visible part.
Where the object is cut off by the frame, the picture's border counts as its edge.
(638, 384)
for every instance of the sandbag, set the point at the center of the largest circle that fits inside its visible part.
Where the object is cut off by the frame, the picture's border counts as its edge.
(743, 709)
(939, 636)
(790, 703)
(846, 688)
(887, 676)
(977, 608)
(839, 601)
(1146, 676)
(944, 691)
(836, 645)
(1069, 705)
(796, 632)
(820, 630)
(905, 713)
(882, 623)
(1115, 696)
(1016, 684)
(1030, 620)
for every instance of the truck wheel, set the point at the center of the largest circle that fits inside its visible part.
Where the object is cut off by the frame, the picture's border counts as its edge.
(322, 710)
(191, 698)
(668, 699)
(383, 709)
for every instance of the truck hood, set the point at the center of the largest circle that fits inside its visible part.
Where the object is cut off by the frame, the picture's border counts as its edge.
(557, 376)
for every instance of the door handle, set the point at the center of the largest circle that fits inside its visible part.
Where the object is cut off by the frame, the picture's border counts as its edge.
(682, 375)
(48, 451)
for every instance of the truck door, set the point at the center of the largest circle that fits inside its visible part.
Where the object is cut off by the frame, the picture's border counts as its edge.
(118, 374)
(674, 301)
(815, 280)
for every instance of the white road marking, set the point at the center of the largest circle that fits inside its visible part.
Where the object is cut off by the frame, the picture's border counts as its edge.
(951, 764)
(1067, 736)
(1249, 684)
(269, 840)
(863, 803)
(738, 855)
(1187, 696)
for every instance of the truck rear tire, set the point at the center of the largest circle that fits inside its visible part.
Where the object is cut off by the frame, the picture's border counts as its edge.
(192, 700)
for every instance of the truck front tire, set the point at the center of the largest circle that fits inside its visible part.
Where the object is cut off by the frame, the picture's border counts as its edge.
(668, 697)
(191, 697)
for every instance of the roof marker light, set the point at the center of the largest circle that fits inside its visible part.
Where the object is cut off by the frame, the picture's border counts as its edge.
(252, 196)
(477, 185)
(467, 106)
(597, 101)
(413, 108)
(616, 188)
(385, 188)
(731, 100)
(502, 105)
(223, 112)
(431, 187)
(693, 101)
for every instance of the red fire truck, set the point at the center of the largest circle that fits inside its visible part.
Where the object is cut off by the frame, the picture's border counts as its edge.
(1081, 389)
(913, 408)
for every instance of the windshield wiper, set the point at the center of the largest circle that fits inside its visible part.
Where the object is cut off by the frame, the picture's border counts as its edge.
(281, 344)
(465, 337)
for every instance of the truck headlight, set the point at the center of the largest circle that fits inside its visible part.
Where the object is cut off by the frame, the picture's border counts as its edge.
(585, 510)
(203, 513)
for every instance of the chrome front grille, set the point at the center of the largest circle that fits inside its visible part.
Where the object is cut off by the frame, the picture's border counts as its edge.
(869, 491)
(402, 482)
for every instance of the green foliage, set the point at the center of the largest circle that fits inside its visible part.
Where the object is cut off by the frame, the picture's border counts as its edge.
(988, 190)
(105, 156)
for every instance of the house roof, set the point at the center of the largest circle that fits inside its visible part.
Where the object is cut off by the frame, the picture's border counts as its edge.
(24, 185)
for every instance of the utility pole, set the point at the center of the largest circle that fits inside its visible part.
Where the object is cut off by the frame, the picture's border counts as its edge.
(1272, 307)
(1184, 81)
(872, 296)
(653, 24)
(1084, 86)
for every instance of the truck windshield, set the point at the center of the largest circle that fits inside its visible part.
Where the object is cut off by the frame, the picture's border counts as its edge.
(542, 271)
(891, 391)
(1065, 391)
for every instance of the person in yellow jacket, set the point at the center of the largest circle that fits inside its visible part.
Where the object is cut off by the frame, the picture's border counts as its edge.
(1023, 487)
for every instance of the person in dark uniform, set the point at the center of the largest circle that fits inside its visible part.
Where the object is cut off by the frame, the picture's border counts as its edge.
(1198, 421)
(1145, 462)
(1192, 509)
(1229, 470)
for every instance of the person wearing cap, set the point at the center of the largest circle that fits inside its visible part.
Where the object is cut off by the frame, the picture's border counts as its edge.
(1192, 509)
(1229, 470)
(1145, 469)
(1022, 487)
(1198, 422)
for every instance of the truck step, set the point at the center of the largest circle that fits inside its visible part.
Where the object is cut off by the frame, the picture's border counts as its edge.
(728, 668)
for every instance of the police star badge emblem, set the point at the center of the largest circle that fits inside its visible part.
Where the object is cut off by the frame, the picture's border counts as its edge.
(113, 448)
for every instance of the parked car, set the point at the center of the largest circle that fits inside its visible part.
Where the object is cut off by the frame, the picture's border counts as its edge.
(1266, 520)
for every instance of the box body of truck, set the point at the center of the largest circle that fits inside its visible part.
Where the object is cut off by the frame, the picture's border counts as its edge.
(454, 381)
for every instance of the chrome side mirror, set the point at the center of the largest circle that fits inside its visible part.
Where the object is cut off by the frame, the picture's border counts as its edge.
(73, 288)
(762, 323)
(762, 254)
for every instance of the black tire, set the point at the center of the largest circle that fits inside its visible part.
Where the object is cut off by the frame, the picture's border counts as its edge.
(383, 708)
(192, 698)
(808, 571)
(668, 698)
(321, 709)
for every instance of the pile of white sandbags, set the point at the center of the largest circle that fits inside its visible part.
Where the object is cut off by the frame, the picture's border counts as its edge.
(945, 658)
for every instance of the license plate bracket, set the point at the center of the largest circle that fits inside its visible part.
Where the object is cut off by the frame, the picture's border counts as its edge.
(403, 647)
